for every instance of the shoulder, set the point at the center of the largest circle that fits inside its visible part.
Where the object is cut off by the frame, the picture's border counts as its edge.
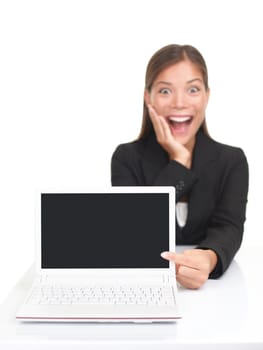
(229, 161)
(142, 150)
(229, 153)
(136, 146)
(129, 149)
(209, 148)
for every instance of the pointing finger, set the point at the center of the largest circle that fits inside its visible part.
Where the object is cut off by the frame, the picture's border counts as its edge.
(180, 259)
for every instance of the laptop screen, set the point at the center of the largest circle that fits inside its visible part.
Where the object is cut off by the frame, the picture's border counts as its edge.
(104, 230)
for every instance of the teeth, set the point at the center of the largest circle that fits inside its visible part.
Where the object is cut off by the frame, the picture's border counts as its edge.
(180, 119)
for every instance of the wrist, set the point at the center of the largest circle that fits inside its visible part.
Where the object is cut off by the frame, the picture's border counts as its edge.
(184, 161)
(212, 259)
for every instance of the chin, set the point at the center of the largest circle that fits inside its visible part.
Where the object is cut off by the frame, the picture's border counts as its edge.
(183, 140)
(187, 141)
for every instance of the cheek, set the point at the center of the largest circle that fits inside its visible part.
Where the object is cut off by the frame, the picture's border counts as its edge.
(154, 101)
(158, 103)
(201, 107)
(152, 98)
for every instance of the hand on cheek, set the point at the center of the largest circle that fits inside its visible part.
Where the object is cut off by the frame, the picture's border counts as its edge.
(175, 150)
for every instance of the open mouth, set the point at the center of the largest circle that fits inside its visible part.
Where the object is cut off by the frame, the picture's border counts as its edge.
(179, 123)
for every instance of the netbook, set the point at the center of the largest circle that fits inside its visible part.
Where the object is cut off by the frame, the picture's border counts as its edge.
(98, 257)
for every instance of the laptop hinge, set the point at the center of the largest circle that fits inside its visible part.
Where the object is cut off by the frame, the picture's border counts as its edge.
(168, 279)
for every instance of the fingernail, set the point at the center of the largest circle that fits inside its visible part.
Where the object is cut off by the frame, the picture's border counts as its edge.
(164, 255)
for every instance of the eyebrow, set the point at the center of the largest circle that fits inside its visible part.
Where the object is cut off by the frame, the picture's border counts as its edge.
(188, 82)
(195, 79)
(162, 82)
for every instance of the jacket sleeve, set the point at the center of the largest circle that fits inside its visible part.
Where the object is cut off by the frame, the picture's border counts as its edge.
(175, 174)
(127, 170)
(224, 232)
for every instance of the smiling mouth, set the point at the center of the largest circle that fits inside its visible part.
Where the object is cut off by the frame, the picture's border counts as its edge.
(179, 123)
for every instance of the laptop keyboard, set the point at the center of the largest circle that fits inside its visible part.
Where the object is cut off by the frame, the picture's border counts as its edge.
(114, 295)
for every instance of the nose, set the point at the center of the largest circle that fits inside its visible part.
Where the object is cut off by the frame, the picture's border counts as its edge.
(178, 100)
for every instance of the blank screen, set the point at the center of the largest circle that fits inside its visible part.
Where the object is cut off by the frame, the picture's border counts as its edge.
(98, 230)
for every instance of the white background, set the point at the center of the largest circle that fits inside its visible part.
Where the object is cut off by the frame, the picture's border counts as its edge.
(71, 89)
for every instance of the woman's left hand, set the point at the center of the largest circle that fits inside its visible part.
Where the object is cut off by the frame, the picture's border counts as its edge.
(193, 266)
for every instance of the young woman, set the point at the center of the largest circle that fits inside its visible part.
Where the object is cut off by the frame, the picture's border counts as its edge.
(175, 149)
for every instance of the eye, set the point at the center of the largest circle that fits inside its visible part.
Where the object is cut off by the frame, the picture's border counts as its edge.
(193, 89)
(165, 91)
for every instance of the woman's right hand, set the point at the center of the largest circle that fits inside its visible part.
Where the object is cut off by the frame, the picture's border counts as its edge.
(175, 150)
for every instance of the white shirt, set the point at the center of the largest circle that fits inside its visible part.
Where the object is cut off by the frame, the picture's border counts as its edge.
(181, 213)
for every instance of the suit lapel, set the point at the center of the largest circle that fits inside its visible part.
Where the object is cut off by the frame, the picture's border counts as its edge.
(205, 155)
(205, 151)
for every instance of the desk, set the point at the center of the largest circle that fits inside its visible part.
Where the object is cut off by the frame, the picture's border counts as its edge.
(224, 314)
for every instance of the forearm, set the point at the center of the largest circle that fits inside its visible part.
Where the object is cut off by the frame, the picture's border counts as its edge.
(125, 171)
(177, 175)
(224, 241)
(224, 231)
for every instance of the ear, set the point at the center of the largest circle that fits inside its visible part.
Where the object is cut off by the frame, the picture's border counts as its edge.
(207, 95)
(147, 98)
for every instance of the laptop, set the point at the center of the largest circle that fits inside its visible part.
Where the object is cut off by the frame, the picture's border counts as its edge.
(98, 257)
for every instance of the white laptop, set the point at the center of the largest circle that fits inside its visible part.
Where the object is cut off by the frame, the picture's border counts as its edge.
(98, 257)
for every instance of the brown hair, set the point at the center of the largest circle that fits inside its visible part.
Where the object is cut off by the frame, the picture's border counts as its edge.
(162, 59)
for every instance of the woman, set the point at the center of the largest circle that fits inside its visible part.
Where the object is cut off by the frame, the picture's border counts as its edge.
(175, 149)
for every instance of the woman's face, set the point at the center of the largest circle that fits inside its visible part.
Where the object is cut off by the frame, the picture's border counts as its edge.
(179, 95)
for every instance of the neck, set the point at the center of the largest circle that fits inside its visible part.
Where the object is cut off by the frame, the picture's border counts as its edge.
(190, 145)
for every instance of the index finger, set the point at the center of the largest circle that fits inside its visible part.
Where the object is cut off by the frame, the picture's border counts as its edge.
(159, 123)
(153, 114)
(181, 259)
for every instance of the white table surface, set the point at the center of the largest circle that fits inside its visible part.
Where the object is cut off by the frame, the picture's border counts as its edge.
(224, 314)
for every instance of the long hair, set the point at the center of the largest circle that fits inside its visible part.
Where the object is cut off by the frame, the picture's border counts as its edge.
(163, 58)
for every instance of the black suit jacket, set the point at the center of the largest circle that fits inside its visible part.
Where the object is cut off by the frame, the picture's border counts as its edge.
(216, 187)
